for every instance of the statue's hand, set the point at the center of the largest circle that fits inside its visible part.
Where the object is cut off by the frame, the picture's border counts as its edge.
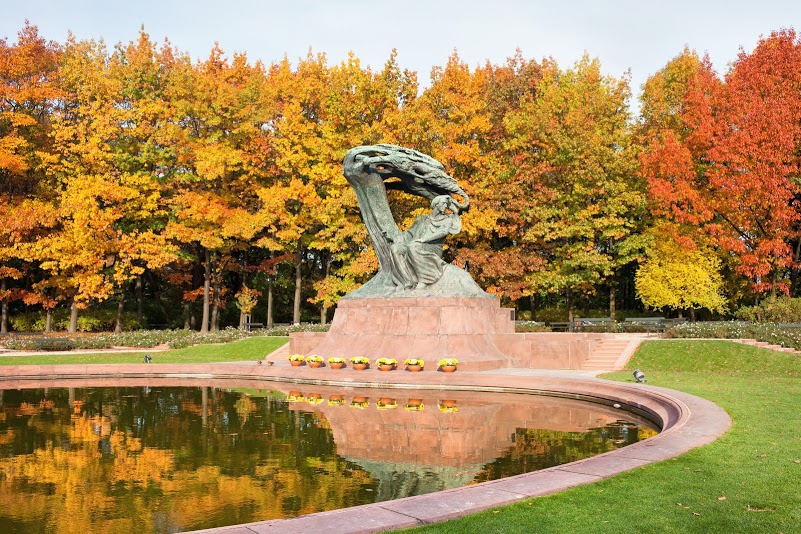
(389, 239)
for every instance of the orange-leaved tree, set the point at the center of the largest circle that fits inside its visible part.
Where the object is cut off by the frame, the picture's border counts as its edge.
(28, 91)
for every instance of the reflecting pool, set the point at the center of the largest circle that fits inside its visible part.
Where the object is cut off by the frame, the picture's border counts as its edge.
(168, 459)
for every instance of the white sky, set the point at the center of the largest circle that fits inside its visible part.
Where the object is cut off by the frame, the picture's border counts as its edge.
(639, 35)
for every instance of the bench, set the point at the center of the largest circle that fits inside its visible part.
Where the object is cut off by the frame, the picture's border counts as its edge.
(558, 326)
(652, 324)
(250, 326)
(583, 322)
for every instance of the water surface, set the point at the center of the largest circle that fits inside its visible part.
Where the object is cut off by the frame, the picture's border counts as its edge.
(169, 459)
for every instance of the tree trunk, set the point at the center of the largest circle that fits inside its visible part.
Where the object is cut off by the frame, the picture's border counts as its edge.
(48, 320)
(242, 313)
(324, 308)
(73, 318)
(120, 313)
(140, 304)
(569, 299)
(215, 304)
(204, 322)
(270, 282)
(794, 290)
(298, 280)
(533, 305)
(3, 308)
(692, 315)
(187, 315)
(157, 294)
(612, 294)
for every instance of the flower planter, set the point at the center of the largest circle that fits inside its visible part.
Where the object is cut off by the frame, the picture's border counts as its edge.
(336, 398)
(315, 365)
(295, 394)
(386, 400)
(448, 368)
(414, 368)
(448, 403)
(360, 399)
(336, 365)
(386, 367)
(295, 363)
(360, 366)
(314, 396)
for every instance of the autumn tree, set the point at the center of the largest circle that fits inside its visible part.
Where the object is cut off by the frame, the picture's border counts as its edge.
(28, 91)
(108, 205)
(214, 203)
(753, 182)
(494, 252)
(361, 107)
(679, 278)
(727, 164)
(572, 143)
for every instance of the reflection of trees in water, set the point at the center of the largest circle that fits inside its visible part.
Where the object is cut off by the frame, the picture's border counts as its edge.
(138, 460)
(536, 449)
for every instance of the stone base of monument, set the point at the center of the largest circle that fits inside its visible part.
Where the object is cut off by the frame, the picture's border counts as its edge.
(429, 328)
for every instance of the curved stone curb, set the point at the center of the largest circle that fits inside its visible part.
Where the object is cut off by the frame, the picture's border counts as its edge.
(687, 422)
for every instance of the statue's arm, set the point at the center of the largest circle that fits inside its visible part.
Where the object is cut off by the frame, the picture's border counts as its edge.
(456, 224)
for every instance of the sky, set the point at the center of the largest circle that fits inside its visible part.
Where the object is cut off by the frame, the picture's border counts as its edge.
(638, 37)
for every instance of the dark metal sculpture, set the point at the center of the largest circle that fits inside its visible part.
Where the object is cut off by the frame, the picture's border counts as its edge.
(410, 261)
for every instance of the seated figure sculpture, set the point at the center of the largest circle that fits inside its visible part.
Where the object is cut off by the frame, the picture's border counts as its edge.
(417, 252)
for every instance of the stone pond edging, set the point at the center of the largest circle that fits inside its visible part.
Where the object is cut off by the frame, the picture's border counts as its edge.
(687, 422)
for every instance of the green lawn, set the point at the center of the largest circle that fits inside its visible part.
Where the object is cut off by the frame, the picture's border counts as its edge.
(254, 348)
(748, 481)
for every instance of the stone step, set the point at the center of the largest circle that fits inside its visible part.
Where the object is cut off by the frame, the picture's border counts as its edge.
(767, 345)
(280, 353)
(607, 354)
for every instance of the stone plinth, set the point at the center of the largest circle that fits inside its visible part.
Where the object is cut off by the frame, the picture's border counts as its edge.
(561, 350)
(427, 328)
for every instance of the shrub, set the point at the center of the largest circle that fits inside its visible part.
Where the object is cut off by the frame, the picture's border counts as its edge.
(767, 332)
(772, 310)
(40, 343)
(530, 326)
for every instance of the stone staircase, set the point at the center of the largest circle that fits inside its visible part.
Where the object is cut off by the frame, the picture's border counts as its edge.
(611, 354)
(279, 355)
(766, 345)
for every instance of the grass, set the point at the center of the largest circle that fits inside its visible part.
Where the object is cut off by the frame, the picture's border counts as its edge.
(254, 348)
(748, 481)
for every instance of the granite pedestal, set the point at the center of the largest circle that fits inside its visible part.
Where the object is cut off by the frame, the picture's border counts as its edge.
(430, 328)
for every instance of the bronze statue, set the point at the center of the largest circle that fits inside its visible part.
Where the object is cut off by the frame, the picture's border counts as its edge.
(411, 261)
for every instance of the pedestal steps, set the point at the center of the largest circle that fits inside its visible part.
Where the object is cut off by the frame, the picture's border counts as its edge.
(610, 354)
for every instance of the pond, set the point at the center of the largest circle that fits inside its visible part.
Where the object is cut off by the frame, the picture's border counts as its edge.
(169, 459)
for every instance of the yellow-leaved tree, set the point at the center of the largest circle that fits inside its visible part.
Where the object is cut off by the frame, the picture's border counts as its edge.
(680, 277)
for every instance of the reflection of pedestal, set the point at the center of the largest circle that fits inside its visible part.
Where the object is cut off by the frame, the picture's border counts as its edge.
(428, 327)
